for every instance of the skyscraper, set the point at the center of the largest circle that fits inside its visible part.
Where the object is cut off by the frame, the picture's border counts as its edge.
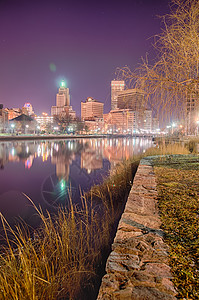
(63, 102)
(63, 97)
(116, 88)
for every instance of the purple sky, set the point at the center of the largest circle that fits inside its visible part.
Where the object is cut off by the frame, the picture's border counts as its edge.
(42, 42)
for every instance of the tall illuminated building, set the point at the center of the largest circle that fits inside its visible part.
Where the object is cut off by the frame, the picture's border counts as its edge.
(116, 88)
(62, 106)
(192, 112)
(63, 97)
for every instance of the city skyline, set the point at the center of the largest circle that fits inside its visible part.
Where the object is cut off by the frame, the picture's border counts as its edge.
(42, 43)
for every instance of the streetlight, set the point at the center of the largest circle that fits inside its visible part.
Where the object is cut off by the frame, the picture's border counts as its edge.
(27, 126)
(12, 126)
(38, 129)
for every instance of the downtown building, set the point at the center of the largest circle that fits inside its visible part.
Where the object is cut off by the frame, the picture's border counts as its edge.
(62, 107)
(128, 113)
(44, 121)
(192, 112)
(13, 112)
(91, 109)
(92, 115)
(27, 109)
(117, 86)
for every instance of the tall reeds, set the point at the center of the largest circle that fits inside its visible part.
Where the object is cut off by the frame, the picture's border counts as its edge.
(58, 261)
(63, 257)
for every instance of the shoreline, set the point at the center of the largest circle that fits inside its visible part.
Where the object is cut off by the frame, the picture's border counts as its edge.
(56, 137)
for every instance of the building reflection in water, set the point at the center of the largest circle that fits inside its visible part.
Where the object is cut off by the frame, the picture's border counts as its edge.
(78, 163)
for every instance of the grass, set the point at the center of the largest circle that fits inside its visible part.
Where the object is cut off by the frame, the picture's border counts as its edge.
(178, 190)
(66, 255)
(56, 263)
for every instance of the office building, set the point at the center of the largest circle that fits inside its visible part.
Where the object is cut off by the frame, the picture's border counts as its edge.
(44, 121)
(63, 97)
(131, 99)
(116, 88)
(192, 112)
(27, 109)
(147, 122)
(62, 106)
(13, 112)
(124, 121)
(91, 109)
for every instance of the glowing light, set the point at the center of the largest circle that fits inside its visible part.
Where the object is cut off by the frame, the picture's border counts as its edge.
(63, 84)
(13, 151)
(62, 184)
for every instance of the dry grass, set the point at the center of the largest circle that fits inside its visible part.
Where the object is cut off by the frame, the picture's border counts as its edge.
(62, 258)
(58, 262)
(178, 191)
(164, 148)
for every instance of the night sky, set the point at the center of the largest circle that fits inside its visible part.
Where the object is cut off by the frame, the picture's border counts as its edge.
(42, 42)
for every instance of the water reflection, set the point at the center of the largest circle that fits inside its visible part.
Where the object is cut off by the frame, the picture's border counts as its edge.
(48, 171)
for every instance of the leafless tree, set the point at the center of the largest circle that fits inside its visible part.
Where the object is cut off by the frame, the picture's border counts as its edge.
(175, 74)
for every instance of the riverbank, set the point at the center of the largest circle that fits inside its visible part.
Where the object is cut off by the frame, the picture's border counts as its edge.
(12, 137)
(157, 242)
(66, 256)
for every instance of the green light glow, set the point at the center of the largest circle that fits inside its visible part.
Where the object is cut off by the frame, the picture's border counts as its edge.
(63, 84)
(62, 184)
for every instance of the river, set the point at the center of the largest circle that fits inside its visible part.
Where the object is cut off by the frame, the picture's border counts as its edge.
(46, 170)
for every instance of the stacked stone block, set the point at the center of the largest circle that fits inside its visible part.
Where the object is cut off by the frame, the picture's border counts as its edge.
(137, 267)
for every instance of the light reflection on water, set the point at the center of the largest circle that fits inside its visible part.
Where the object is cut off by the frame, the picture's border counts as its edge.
(46, 171)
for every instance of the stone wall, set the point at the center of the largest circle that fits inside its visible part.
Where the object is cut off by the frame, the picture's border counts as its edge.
(137, 268)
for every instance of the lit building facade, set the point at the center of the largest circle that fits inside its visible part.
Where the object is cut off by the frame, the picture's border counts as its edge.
(63, 96)
(13, 112)
(128, 121)
(121, 121)
(63, 103)
(116, 88)
(131, 99)
(192, 112)
(91, 109)
(95, 126)
(155, 124)
(28, 107)
(147, 123)
(44, 121)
